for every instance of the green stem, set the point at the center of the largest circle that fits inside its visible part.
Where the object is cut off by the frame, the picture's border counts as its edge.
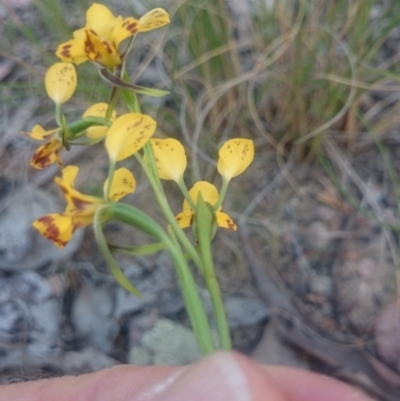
(58, 114)
(133, 216)
(222, 194)
(111, 104)
(205, 223)
(185, 193)
(111, 171)
(169, 215)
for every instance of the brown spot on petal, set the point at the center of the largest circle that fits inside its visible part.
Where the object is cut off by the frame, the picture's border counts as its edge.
(65, 51)
(231, 225)
(107, 47)
(42, 157)
(132, 27)
(90, 49)
(51, 231)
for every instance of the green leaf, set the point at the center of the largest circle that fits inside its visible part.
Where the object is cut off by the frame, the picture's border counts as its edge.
(139, 250)
(118, 82)
(204, 220)
(103, 215)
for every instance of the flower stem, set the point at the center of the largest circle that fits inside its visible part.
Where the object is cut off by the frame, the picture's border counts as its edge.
(204, 224)
(164, 205)
(222, 193)
(185, 193)
(194, 306)
(111, 171)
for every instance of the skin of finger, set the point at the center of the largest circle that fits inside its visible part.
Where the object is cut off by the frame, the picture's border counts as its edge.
(299, 385)
(224, 376)
(119, 383)
(133, 383)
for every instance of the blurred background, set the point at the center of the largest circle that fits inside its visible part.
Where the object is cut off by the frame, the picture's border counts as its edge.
(311, 276)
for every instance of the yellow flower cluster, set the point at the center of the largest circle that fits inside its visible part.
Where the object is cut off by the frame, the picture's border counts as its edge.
(234, 158)
(99, 41)
(103, 33)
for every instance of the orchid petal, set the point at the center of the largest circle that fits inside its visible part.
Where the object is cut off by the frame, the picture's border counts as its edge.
(123, 183)
(101, 20)
(56, 227)
(60, 82)
(47, 154)
(235, 156)
(153, 19)
(128, 134)
(39, 133)
(184, 219)
(170, 158)
(224, 221)
(124, 29)
(72, 51)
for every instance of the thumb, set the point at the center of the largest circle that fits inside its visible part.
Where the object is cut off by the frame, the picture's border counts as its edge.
(223, 377)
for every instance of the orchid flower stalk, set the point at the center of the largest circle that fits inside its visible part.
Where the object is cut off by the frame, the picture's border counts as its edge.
(103, 42)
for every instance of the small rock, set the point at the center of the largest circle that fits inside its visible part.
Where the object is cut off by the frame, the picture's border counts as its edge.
(361, 287)
(319, 235)
(29, 313)
(92, 316)
(321, 285)
(168, 343)
(239, 310)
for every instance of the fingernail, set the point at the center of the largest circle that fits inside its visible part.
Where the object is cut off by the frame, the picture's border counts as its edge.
(217, 377)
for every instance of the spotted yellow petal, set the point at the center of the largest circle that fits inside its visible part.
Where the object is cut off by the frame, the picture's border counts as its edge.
(39, 133)
(128, 134)
(170, 158)
(124, 29)
(153, 19)
(101, 20)
(235, 156)
(72, 51)
(77, 203)
(98, 110)
(123, 183)
(184, 219)
(47, 154)
(101, 50)
(55, 227)
(224, 221)
(60, 82)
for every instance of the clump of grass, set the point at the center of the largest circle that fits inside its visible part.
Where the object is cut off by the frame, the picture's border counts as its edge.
(297, 70)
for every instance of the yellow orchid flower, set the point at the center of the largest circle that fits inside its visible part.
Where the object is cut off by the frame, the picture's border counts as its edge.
(60, 82)
(235, 156)
(210, 194)
(170, 158)
(49, 152)
(60, 227)
(100, 38)
(98, 110)
(128, 134)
